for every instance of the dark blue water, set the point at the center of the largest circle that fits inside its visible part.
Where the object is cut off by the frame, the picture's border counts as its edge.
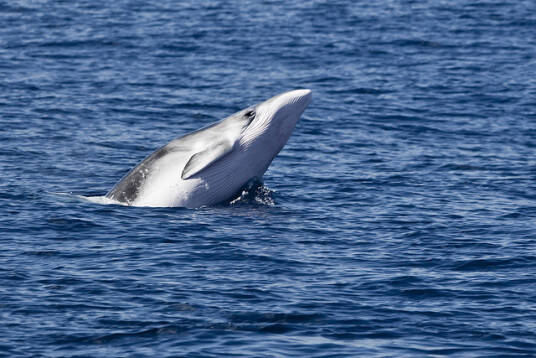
(399, 220)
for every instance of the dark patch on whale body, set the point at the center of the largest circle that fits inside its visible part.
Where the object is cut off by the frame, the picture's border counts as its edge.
(128, 188)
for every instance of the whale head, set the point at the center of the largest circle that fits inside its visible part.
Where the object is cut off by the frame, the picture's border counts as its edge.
(271, 122)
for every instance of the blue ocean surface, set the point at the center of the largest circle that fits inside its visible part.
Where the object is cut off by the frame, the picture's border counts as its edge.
(398, 221)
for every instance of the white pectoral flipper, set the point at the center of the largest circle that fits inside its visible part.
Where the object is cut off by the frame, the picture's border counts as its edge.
(206, 158)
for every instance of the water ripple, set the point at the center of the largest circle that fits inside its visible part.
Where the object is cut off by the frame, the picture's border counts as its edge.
(398, 220)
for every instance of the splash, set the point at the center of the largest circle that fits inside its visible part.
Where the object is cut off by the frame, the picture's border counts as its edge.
(103, 200)
(254, 192)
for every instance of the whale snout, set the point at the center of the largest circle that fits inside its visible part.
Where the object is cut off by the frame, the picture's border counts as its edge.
(291, 103)
(300, 96)
(306, 93)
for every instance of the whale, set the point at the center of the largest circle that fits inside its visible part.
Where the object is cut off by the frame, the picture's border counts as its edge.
(211, 165)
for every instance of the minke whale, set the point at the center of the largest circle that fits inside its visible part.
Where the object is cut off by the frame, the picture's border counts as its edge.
(212, 164)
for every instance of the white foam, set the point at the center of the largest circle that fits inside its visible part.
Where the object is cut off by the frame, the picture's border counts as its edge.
(100, 200)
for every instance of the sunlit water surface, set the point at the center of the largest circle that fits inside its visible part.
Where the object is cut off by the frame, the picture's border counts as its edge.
(399, 220)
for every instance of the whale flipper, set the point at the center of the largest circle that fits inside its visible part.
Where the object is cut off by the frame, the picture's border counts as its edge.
(205, 158)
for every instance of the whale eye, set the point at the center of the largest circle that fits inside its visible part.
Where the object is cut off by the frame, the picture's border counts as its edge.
(250, 114)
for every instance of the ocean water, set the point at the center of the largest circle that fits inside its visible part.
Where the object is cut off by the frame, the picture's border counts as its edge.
(399, 220)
